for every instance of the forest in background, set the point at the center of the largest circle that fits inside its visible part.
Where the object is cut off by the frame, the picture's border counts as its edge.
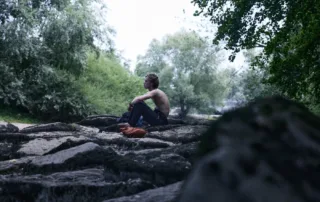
(58, 61)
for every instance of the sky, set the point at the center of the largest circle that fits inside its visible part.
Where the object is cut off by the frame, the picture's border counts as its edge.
(137, 22)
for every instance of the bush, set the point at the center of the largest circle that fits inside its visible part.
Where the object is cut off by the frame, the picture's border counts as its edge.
(44, 93)
(43, 48)
(105, 87)
(108, 86)
(57, 98)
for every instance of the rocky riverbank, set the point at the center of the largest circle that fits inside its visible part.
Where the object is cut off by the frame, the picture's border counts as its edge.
(92, 161)
(267, 151)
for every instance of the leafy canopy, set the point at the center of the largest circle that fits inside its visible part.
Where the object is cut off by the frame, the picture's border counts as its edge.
(43, 49)
(108, 86)
(287, 30)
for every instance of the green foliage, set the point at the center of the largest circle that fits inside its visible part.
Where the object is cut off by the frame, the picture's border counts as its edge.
(315, 109)
(232, 81)
(16, 116)
(43, 49)
(56, 97)
(245, 85)
(44, 93)
(287, 30)
(253, 85)
(186, 65)
(108, 86)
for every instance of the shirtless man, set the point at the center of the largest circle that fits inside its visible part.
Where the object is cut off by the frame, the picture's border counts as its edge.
(139, 108)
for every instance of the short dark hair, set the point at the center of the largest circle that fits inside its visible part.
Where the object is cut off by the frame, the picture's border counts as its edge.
(153, 78)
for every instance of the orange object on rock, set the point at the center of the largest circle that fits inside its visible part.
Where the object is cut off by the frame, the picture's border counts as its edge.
(133, 132)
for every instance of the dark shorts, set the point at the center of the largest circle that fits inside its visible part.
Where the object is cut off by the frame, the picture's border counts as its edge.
(152, 117)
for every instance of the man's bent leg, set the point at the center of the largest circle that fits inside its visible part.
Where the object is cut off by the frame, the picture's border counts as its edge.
(142, 109)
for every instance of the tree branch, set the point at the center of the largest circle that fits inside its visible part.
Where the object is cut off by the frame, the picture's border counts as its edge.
(260, 46)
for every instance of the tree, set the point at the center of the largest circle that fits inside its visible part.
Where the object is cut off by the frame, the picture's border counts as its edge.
(186, 64)
(232, 79)
(254, 86)
(247, 84)
(287, 30)
(108, 86)
(43, 49)
(254, 81)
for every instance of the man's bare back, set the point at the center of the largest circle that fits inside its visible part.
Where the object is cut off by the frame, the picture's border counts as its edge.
(160, 99)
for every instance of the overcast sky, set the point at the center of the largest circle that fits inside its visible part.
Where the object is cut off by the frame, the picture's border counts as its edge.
(137, 22)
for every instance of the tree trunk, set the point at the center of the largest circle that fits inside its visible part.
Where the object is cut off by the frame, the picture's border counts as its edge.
(184, 110)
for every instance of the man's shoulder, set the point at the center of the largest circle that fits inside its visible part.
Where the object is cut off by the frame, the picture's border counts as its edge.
(156, 91)
(159, 92)
(153, 92)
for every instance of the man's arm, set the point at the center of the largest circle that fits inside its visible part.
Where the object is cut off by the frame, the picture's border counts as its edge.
(146, 96)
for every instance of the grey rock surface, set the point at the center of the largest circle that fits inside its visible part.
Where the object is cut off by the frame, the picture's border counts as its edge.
(81, 162)
(8, 127)
(163, 194)
(267, 151)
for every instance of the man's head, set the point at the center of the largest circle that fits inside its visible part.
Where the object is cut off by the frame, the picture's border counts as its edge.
(151, 81)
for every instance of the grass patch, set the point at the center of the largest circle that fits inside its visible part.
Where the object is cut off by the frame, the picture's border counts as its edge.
(14, 116)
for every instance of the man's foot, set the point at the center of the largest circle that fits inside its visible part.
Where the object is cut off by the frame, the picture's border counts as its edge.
(123, 125)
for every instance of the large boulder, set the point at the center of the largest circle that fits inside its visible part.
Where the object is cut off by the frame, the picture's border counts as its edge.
(182, 134)
(267, 151)
(58, 126)
(6, 127)
(99, 121)
(41, 146)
